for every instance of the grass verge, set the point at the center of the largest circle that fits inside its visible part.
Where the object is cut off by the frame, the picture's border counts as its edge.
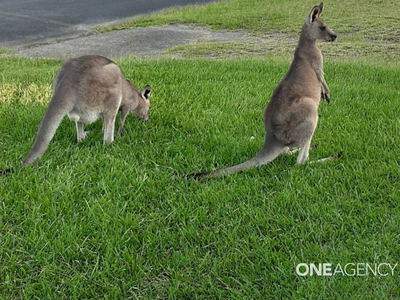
(120, 221)
(89, 221)
(368, 30)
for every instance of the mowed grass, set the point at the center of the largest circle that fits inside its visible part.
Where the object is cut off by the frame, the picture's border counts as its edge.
(364, 19)
(368, 31)
(120, 221)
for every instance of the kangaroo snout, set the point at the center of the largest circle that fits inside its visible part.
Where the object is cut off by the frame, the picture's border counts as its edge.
(333, 37)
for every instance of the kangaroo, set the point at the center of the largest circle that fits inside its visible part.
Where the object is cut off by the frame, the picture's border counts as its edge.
(291, 116)
(86, 88)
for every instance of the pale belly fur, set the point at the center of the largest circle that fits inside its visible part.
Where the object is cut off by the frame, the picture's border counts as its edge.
(86, 117)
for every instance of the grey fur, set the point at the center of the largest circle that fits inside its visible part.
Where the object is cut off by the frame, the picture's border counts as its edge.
(86, 88)
(291, 116)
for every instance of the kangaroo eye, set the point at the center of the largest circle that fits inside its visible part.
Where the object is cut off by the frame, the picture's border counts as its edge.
(322, 28)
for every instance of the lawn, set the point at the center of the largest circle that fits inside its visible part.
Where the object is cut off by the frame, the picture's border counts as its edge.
(368, 30)
(120, 221)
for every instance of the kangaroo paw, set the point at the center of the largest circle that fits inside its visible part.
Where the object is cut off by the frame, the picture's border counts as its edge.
(197, 176)
(6, 171)
(334, 157)
(340, 154)
(326, 97)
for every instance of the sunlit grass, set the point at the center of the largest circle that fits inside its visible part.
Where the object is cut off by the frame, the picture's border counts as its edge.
(368, 31)
(357, 19)
(11, 93)
(120, 221)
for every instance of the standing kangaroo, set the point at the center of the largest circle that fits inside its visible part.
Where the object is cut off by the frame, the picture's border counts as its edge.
(85, 88)
(291, 116)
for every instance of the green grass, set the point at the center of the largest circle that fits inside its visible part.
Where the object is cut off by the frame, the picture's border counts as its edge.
(357, 20)
(367, 30)
(120, 221)
(6, 51)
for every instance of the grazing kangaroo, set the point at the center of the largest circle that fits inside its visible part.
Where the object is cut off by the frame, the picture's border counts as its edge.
(85, 88)
(292, 114)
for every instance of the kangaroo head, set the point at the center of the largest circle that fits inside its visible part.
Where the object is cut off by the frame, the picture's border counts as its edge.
(143, 108)
(317, 28)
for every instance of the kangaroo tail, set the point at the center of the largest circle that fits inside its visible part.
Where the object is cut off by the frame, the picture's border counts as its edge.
(48, 127)
(267, 154)
(230, 170)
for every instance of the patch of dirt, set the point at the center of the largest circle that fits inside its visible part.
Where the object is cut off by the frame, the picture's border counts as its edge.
(151, 41)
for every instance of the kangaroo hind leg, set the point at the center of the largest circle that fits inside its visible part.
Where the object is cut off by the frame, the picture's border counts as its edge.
(304, 152)
(108, 126)
(290, 151)
(329, 158)
(112, 101)
(81, 134)
(271, 150)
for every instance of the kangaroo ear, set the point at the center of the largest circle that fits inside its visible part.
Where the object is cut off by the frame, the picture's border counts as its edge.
(315, 13)
(146, 92)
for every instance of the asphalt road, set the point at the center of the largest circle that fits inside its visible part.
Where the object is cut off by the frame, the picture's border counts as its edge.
(27, 22)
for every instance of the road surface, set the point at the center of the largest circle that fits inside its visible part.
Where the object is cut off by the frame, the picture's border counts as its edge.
(27, 22)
